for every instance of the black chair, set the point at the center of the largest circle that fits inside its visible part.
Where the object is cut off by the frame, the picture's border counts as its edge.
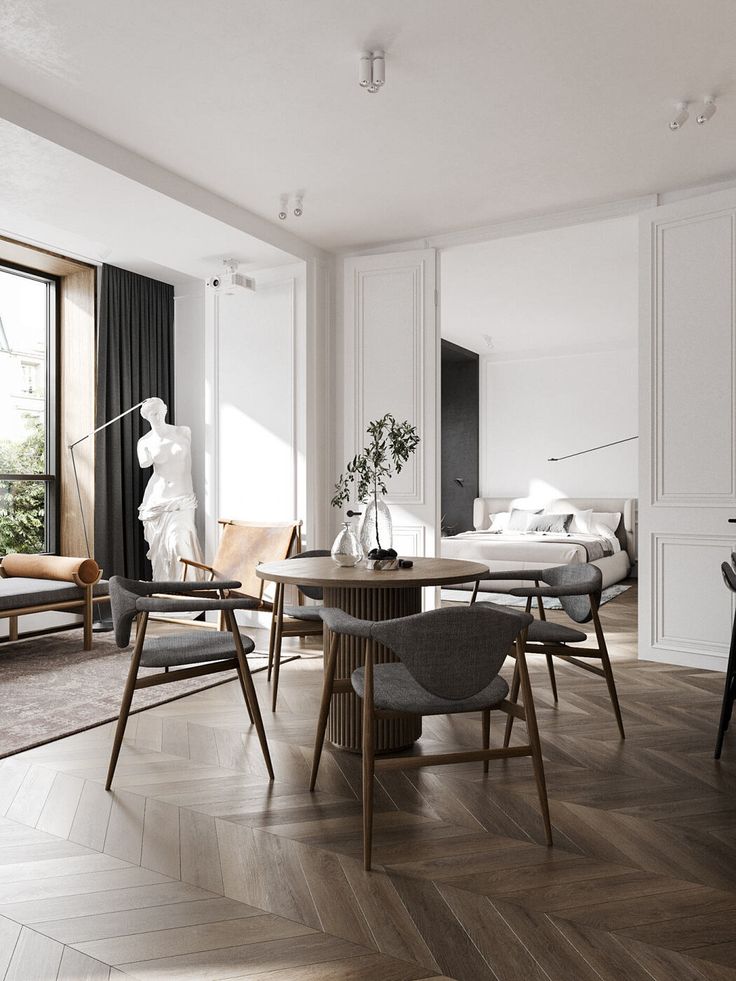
(303, 621)
(448, 662)
(191, 653)
(578, 587)
(729, 690)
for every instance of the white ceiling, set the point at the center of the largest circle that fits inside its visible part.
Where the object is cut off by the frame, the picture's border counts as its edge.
(54, 198)
(491, 110)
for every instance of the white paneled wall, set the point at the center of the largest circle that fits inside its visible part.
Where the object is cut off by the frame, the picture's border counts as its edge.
(257, 401)
(688, 448)
(390, 346)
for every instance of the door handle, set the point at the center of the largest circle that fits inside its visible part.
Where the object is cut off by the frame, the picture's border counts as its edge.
(732, 521)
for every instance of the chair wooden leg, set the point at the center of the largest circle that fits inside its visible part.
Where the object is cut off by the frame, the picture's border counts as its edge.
(486, 723)
(127, 698)
(536, 746)
(513, 697)
(368, 759)
(552, 679)
(88, 615)
(12, 628)
(272, 632)
(245, 692)
(606, 664)
(250, 690)
(324, 707)
(277, 649)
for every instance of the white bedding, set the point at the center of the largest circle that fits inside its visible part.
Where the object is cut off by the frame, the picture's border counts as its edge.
(518, 551)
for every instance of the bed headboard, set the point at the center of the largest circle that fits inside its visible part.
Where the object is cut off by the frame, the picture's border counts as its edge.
(483, 507)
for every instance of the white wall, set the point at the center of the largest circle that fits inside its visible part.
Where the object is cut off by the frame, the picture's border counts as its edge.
(255, 399)
(534, 409)
(561, 309)
(262, 399)
(189, 383)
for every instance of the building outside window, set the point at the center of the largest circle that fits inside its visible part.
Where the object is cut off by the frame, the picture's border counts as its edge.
(28, 478)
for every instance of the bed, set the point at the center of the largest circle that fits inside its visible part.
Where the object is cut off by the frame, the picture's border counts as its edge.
(612, 550)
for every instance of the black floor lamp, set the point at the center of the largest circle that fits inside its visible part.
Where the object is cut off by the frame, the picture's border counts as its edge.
(74, 463)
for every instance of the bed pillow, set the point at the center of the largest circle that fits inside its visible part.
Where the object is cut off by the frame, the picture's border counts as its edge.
(610, 520)
(519, 519)
(558, 524)
(581, 520)
(499, 521)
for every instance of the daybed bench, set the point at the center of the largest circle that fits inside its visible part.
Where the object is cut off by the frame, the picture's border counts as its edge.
(42, 583)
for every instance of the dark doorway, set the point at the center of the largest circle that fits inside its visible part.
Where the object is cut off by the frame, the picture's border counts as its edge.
(459, 440)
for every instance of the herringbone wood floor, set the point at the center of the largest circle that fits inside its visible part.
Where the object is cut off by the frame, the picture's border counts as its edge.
(197, 868)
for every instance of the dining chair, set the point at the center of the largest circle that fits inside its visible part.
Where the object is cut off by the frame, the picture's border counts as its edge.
(191, 653)
(729, 688)
(243, 546)
(578, 588)
(448, 663)
(302, 620)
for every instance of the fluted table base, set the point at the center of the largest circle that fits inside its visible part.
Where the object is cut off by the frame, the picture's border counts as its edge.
(345, 721)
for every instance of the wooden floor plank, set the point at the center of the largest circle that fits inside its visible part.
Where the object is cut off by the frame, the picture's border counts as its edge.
(125, 923)
(34, 958)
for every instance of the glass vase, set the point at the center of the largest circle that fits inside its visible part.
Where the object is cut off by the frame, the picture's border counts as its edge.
(346, 550)
(376, 513)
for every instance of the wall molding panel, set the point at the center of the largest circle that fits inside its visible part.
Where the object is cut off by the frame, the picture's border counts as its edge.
(390, 352)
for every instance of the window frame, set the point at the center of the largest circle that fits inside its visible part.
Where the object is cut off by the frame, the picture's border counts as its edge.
(52, 408)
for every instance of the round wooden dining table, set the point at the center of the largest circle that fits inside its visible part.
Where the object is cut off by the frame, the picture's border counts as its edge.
(369, 595)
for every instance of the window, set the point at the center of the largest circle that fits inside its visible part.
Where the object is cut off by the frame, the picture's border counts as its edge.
(28, 479)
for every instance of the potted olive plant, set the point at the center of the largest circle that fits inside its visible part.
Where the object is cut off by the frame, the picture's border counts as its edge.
(390, 445)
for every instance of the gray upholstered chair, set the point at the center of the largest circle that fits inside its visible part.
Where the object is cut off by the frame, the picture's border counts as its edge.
(578, 588)
(448, 662)
(303, 621)
(191, 653)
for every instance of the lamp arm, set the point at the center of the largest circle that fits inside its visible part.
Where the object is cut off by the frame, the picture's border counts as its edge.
(108, 423)
(603, 446)
(74, 464)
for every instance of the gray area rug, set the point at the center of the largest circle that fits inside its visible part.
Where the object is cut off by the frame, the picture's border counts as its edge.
(50, 688)
(550, 602)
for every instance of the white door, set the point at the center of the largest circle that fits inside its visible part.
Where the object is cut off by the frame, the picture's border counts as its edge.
(688, 430)
(391, 343)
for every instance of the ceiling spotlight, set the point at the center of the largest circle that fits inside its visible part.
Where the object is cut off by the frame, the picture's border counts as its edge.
(681, 117)
(378, 69)
(372, 72)
(298, 202)
(364, 76)
(284, 205)
(709, 110)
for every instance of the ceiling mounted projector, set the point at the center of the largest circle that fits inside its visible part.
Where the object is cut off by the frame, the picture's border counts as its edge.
(230, 280)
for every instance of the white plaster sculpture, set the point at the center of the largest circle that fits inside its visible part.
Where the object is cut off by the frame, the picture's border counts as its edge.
(168, 505)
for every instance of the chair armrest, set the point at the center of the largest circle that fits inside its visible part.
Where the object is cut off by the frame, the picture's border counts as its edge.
(340, 622)
(192, 604)
(197, 565)
(514, 574)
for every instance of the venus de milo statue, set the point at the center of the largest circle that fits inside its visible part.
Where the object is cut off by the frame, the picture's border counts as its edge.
(168, 505)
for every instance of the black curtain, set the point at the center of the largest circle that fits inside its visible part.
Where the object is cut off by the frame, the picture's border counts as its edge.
(135, 360)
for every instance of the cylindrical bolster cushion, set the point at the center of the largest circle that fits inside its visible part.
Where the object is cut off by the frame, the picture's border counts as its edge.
(60, 567)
